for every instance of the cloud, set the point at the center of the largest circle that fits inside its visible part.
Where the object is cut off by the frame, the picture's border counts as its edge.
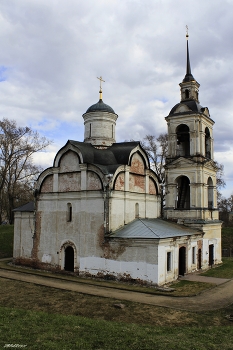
(52, 52)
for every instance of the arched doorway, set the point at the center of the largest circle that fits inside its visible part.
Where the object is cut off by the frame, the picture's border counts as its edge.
(69, 259)
(182, 261)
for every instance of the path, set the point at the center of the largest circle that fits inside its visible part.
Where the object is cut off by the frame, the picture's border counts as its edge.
(215, 298)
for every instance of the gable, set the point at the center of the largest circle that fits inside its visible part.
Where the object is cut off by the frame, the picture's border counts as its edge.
(69, 162)
(137, 164)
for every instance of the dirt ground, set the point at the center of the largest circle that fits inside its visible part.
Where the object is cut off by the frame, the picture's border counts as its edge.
(216, 298)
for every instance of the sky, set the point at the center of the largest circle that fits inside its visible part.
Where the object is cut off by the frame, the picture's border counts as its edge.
(52, 52)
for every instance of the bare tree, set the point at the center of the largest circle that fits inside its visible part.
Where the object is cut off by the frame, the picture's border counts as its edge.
(157, 148)
(17, 171)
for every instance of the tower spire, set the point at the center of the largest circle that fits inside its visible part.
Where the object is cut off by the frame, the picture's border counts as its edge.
(188, 76)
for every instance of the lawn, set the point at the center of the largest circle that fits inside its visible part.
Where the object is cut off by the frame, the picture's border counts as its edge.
(38, 317)
(6, 241)
(225, 270)
(39, 330)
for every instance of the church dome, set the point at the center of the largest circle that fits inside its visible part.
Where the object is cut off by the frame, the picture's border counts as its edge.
(100, 107)
(191, 106)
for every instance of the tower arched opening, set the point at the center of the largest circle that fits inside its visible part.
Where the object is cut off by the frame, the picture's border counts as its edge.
(207, 143)
(210, 193)
(183, 193)
(183, 140)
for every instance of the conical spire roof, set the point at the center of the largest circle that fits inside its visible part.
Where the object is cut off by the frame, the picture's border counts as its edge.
(188, 76)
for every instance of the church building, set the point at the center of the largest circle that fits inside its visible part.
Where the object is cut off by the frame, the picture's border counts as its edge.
(97, 209)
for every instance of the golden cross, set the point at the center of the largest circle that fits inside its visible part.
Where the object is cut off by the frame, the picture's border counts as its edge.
(100, 79)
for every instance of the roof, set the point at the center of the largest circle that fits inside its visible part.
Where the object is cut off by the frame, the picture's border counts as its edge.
(191, 104)
(153, 228)
(109, 159)
(188, 77)
(30, 206)
(100, 106)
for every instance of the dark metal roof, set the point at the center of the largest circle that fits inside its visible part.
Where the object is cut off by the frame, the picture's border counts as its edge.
(188, 76)
(153, 228)
(109, 159)
(191, 104)
(100, 106)
(30, 206)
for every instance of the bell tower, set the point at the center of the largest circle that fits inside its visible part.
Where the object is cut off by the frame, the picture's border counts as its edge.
(190, 168)
(191, 195)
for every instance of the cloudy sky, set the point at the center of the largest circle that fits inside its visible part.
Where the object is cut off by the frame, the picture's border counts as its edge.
(52, 52)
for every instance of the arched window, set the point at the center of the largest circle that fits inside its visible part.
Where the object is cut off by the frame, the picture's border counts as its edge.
(90, 131)
(207, 144)
(136, 210)
(186, 93)
(69, 212)
(183, 193)
(183, 140)
(210, 193)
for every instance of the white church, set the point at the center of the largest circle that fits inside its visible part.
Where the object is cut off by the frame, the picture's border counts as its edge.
(97, 209)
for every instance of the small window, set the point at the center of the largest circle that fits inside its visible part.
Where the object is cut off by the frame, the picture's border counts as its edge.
(136, 210)
(69, 212)
(186, 93)
(193, 255)
(90, 131)
(169, 265)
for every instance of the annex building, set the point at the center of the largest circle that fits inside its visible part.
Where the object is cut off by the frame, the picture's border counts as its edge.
(97, 209)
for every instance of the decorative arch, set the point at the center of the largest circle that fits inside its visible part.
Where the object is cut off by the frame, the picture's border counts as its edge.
(63, 150)
(183, 140)
(66, 249)
(69, 161)
(137, 163)
(183, 192)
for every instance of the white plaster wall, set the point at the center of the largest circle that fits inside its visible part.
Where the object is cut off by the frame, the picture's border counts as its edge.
(127, 269)
(23, 234)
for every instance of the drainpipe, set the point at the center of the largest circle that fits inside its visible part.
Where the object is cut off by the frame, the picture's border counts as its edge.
(106, 196)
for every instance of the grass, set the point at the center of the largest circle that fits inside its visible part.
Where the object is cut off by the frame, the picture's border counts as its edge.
(6, 241)
(39, 330)
(225, 270)
(48, 318)
(227, 237)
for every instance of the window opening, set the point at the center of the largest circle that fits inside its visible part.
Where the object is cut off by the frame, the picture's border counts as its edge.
(210, 193)
(69, 212)
(90, 131)
(207, 144)
(186, 93)
(169, 265)
(183, 193)
(183, 140)
(193, 255)
(136, 210)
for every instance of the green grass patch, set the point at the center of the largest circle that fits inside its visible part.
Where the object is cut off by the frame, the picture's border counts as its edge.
(225, 270)
(188, 288)
(40, 330)
(6, 241)
(227, 237)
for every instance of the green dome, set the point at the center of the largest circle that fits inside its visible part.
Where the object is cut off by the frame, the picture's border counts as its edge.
(100, 106)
